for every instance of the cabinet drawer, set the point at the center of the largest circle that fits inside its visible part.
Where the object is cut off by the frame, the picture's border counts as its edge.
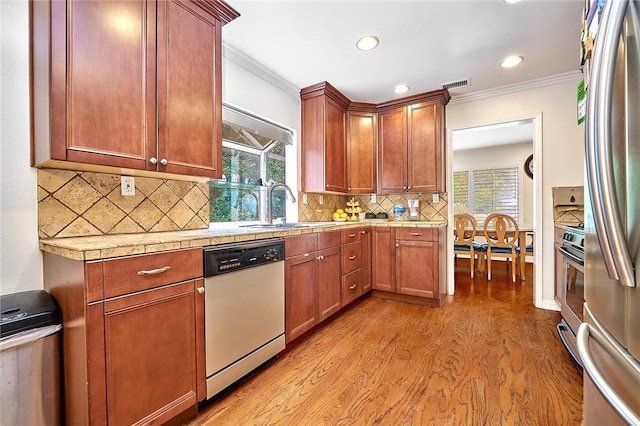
(351, 257)
(137, 273)
(351, 235)
(300, 244)
(328, 239)
(351, 286)
(416, 234)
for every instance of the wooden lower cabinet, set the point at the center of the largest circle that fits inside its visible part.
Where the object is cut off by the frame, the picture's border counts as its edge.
(408, 264)
(366, 259)
(384, 259)
(300, 295)
(134, 358)
(329, 301)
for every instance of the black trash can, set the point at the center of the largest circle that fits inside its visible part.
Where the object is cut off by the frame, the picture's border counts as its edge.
(30, 359)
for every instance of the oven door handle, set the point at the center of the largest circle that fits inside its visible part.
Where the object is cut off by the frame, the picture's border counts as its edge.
(571, 256)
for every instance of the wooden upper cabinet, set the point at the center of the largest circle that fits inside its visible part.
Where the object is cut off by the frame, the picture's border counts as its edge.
(425, 146)
(411, 143)
(392, 151)
(362, 136)
(324, 158)
(109, 76)
(189, 90)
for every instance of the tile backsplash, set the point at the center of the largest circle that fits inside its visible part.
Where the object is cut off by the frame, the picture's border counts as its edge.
(73, 204)
(313, 211)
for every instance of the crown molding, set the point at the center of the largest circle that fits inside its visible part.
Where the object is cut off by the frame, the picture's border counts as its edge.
(240, 58)
(571, 76)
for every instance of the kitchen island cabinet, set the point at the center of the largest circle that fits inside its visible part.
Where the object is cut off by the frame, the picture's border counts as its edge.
(133, 336)
(106, 87)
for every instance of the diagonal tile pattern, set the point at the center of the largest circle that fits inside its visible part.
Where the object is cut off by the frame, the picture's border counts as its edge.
(74, 204)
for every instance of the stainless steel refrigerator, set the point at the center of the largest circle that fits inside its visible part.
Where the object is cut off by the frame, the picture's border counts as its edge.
(609, 338)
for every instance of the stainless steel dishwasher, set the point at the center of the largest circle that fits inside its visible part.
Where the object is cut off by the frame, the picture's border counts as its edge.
(244, 309)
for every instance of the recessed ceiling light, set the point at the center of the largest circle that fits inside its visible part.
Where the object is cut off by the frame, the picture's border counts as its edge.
(401, 88)
(511, 61)
(511, 1)
(368, 42)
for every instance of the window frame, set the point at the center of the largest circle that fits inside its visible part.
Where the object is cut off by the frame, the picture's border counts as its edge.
(470, 196)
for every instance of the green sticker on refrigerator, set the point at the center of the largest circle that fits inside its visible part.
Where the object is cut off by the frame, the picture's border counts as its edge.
(582, 102)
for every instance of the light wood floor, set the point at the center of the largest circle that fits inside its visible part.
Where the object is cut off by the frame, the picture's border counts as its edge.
(487, 357)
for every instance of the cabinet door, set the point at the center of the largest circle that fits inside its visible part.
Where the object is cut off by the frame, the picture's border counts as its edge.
(392, 151)
(300, 294)
(383, 258)
(425, 171)
(150, 345)
(328, 282)
(366, 259)
(417, 268)
(335, 155)
(189, 90)
(102, 100)
(361, 152)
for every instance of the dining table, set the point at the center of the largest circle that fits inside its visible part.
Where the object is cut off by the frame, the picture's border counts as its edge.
(523, 233)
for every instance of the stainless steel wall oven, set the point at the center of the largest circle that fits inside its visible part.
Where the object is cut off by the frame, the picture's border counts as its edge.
(572, 296)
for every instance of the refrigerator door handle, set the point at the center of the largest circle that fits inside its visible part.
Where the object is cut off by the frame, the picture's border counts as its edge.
(619, 355)
(606, 214)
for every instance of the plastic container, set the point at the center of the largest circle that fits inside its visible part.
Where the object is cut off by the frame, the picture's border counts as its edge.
(398, 212)
(30, 359)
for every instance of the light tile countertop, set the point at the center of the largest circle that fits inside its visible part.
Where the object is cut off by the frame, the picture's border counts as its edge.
(107, 246)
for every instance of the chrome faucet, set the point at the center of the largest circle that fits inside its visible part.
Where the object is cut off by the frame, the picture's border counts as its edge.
(270, 199)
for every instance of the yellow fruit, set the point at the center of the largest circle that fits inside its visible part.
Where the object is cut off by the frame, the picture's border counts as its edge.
(358, 209)
(343, 215)
(339, 211)
(336, 215)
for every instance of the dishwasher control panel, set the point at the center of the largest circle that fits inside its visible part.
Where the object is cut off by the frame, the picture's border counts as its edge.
(227, 258)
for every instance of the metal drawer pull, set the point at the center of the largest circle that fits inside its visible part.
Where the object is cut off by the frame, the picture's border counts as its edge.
(415, 234)
(352, 235)
(353, 287)
(154, 271)
(352, 257)
(201, 290)
(363, 232)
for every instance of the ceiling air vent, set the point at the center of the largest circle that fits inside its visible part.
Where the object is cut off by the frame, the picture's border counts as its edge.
(456, 84)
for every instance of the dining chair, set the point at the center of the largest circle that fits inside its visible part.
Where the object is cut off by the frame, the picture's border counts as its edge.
(465, 233)
(528, 251)
(501, 232)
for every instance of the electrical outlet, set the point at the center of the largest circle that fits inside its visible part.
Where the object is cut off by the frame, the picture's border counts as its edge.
(374, 198)
(320, 199)
(127, 185)
(304, 199)
(435, 198)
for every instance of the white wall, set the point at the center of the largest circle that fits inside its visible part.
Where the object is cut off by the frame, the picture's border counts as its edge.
(20, 258)
(562, 148)
(495, 156)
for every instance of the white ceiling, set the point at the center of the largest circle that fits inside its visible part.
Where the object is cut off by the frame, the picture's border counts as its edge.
(423, 43)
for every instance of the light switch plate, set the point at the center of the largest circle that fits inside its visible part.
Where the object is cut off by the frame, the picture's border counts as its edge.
(435, 198)
(320, 199)
(374, 198)
(304, 199)
(127, 185)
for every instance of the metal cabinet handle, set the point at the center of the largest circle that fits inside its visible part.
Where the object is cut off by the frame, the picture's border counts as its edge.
(363, 232)
(352, 257)
(154, 271)
(164, 162)
(606, 214)
(397, 245)
(404, 187)
(598, 379)
(307, 255)
(352, 235)
(353, 287)
(200, 290)
(415, 234)
(409, 187)
(320, 257)
(153, 160)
